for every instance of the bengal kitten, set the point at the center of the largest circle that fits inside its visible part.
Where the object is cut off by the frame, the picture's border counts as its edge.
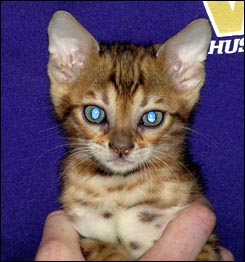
(125, 109)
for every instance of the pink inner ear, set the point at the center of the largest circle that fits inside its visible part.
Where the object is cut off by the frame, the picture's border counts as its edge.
(65, 72)
(185, 76)
(191, 77)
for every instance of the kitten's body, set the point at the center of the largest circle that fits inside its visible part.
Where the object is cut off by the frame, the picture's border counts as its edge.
(125, 178)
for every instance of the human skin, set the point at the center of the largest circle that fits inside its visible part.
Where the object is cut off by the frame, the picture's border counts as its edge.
(182, 240)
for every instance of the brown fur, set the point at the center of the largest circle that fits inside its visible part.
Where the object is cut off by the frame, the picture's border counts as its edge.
(120, 78)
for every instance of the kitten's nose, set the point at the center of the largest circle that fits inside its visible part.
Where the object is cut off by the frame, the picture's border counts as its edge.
(121, 148)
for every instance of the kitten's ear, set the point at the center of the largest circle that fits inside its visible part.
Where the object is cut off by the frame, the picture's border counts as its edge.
(184, 54)
(70, 45)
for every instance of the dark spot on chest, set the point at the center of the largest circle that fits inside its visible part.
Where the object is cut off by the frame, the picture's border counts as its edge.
(134, 245)
(107, 215)
(146, 216)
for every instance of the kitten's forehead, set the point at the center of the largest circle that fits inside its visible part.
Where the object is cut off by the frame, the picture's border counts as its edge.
(113, 96)
(126, 65)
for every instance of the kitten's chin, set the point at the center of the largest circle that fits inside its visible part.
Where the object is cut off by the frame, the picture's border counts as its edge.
(118, 166)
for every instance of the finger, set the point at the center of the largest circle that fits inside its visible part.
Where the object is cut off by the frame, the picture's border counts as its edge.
(203, 201)
(226, 254)
(60, 241)
(185, 236)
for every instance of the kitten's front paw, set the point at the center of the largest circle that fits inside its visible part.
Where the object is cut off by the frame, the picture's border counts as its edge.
(94, 250)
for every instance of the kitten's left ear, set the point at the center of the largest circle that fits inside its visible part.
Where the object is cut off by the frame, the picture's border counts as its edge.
(184, 54)
(70, 47)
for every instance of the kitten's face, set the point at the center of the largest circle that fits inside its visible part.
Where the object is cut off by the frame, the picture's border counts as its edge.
(124, 119)
(124, 107)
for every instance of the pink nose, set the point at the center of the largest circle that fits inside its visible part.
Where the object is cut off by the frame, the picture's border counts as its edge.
(120, 148)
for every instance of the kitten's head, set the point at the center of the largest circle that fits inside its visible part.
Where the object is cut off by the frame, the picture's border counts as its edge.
(125, 106)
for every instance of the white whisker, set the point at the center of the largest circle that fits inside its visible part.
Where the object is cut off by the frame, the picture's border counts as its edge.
(177, 161)
(49, 151)
(198, 133)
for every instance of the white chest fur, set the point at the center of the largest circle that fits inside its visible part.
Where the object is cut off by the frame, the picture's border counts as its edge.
(137, 227)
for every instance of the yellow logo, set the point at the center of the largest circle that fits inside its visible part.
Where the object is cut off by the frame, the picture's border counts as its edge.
(227, 17)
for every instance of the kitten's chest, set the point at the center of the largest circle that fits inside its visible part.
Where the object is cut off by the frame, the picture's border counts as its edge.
(114, 210)
(96, 206)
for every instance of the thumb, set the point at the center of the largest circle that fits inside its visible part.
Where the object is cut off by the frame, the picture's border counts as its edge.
(60, 241)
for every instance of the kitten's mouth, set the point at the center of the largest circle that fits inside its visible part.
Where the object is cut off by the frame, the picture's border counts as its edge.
(119, 161)
(119, 165)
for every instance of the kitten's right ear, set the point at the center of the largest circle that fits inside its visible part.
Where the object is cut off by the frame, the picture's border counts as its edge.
(70, 46)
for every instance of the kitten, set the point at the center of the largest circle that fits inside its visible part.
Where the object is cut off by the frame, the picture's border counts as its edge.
(125, 110)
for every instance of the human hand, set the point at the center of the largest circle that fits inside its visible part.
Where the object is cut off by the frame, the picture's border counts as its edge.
(182, 240)
(185, 236)
(60, 241)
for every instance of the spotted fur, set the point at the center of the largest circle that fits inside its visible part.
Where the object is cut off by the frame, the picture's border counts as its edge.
(123, 182)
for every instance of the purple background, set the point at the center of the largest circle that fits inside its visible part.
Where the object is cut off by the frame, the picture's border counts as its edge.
(32, 144)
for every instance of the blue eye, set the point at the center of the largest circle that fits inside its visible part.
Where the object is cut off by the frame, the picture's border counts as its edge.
(94, 114)
(152, 118)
